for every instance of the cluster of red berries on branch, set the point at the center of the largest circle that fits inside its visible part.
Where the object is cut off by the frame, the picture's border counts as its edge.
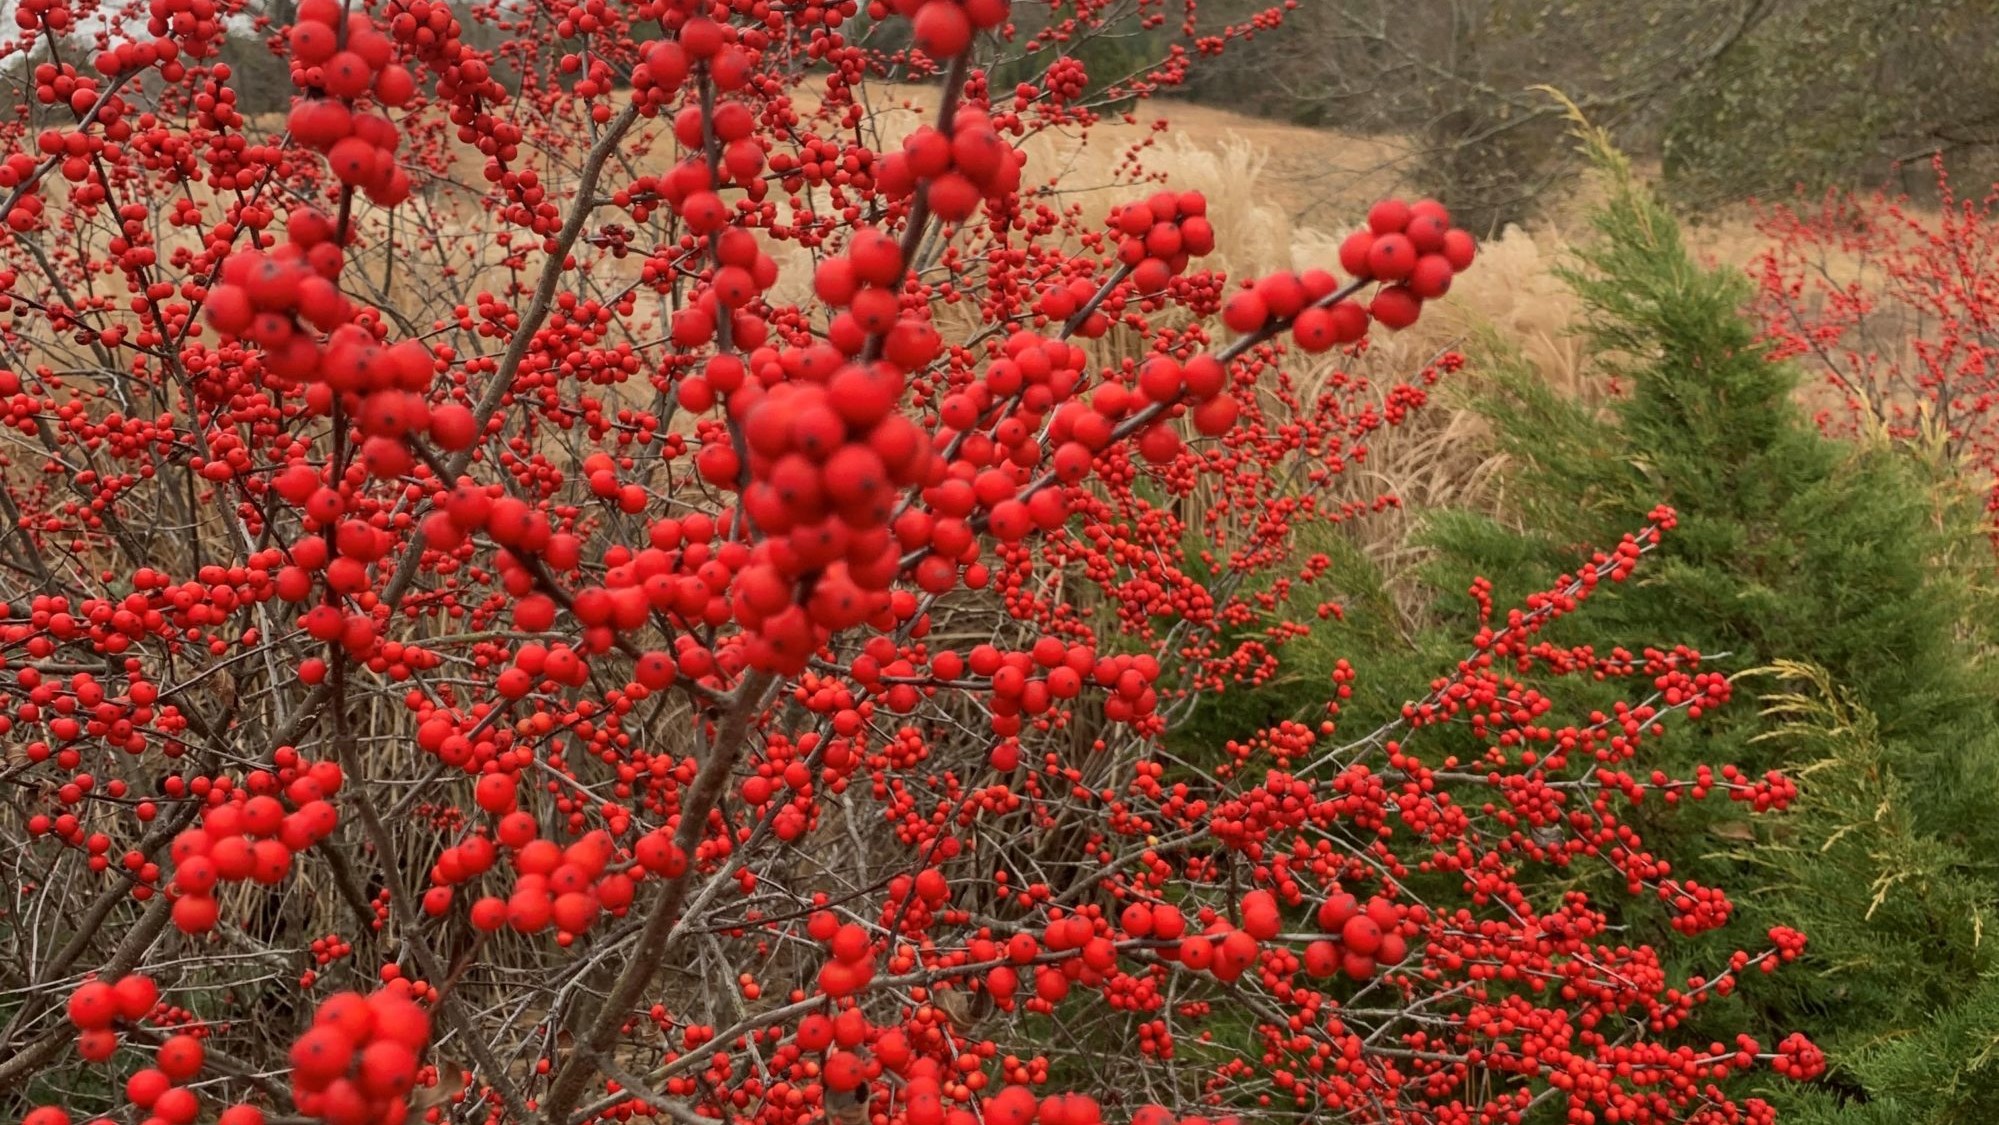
(943, 29)
(251, 839)
(1410, 250)
(1371, 935)
(955, 171)
(567, 887)
(865, 283)
(1902, 265)
(360, 1058)
(97, 1007)
(343, 57)
(286, 303)
(164, 1090)
(1157, 238)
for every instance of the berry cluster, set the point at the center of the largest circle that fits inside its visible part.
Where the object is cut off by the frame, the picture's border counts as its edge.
(1410, 250)
(1157, 237)
(558, 664)
(283, 301)
(251, 839)
(1413, 251)
(1027, 685)
(693, 184)
(958, 170)
(1311, 304)
(692, 187)
(162, 1088)
(865, 283)
(127, 57)
(77, 153)
(1072, 951)
(1798, 1059)
(95, 1009)
(835, 1039)
(1162, 387)
(852, 964)
(657, 79)
(269, 299)
(196, 24)
(357, 1062)
(1075, 305)
(39, 15)
(826, 463)
(733, 288)
(431, 33)
(1370, 935)
(63, 85)
(943, 29)
(567, 887)
(20, 176)
(348, 59)
(325, 951)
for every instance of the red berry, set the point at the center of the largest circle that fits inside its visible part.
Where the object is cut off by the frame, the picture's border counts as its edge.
(495, 793)
(1459, 249)
(387, 1070)
(319, 1056)
(93, 1005)
(144, 1087)
(1260, 916)
(850, 944)
(1391, 258)
(1245, 312)
(179, 1058)
(1396, 307)
(1390, 216)
(1354, 252)
(1361, 934)
(1431, 278)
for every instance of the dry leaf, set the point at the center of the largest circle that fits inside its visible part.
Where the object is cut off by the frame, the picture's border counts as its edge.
(222, 686)
(956, 1006)
(844, 1108)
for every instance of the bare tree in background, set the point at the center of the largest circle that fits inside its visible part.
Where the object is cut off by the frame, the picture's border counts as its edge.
(1735, 97)
(1458, 78)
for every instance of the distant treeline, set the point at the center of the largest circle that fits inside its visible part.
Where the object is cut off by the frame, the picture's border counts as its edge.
(1733, 98)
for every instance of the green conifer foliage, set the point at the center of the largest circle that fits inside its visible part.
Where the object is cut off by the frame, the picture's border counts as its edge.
(1826, 557)
(1839, 580)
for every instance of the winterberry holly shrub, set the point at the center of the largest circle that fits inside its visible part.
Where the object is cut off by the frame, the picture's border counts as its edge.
(579, 580)
(1895, 307)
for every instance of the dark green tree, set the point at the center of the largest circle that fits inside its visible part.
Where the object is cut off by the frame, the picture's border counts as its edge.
(1844, 562)
(1839, 582)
